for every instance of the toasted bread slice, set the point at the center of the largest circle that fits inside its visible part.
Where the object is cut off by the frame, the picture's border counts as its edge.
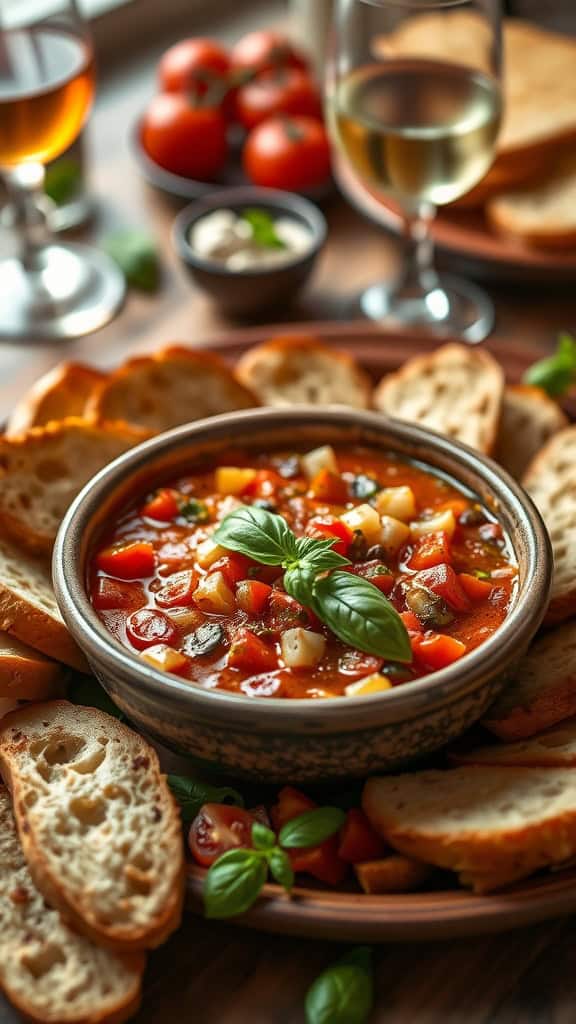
(172, 387)
(456, 390)
(61, 393)
(98, 824)
(491, 825)
(296, 370)
(541, 214)
(42, 471)
(26, 674)
(28, 609)
(543, 691)
(529, 419)
(555, 748)
(551, 482)
(47, 970)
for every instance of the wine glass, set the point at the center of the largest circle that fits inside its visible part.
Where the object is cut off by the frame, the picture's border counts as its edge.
(46, 86)
(414, 105)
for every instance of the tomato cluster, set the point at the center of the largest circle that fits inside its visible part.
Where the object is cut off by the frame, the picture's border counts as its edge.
(262, 84)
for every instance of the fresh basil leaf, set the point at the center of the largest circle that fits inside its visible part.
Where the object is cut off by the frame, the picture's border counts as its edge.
(263, 536)
(194, 511)
(233, 883)
(281, 868)
(299, 583)
(263, 228)
(87, 691)
(343, 993)
(319, 555)
(311, 828)
(63, 180)
(135, 254)
(359, 614)
(192, 794)
(556, 373)
(262, 838)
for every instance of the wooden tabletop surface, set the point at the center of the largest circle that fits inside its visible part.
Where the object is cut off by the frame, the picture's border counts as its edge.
(219, 973)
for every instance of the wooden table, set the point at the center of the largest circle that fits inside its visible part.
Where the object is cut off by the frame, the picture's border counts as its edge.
(219, 973)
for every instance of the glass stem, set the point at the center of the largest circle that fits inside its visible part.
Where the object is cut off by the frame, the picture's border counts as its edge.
(31, 213)
(419, 273)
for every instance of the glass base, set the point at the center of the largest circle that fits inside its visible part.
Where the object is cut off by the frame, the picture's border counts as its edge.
(74, 290)
(452, 307)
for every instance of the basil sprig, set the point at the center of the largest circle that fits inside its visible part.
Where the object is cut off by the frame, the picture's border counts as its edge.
(344, 992)
(192, 794)
(556, 373)
(234, 881)
(354, 609)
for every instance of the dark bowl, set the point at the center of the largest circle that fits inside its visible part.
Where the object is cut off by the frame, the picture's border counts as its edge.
(246, 292)
(276, 740)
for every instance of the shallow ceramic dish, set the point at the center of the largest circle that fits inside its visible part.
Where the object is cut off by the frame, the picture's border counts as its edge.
(276, 740)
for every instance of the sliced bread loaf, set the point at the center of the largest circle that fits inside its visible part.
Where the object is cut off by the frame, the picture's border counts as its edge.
(456, 390)
(555, 748)
(529, 419)
(296, 370)
(551, 481)
(98, 824)
(174, 386)
(543, 691)
(26, 674)
(541, 214)
(61, 393)
(491, 825)
(48, 971)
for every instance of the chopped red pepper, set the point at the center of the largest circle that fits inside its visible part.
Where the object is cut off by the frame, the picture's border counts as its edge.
(377, 573)
(234, 567)
(265, 484)
(252, 596)
(163, 506)
(430, 550)
(322, 862)
(110, 594)
(412, 622)
(328, 486)
(178, 590)
(285, 612)
(331, 528)
(443, 581)
(249, 652)
(127, 561)
(290, 804)
(437, 651)
(358, 840)
(477, 590)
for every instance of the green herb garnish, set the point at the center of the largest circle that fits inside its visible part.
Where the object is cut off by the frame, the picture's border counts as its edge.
(63, 180)
(192, 794)
(136, 255)
(354, 609)
(556, 373)
(263, 228)
(311, 828)
(194, 511)
(344, 992)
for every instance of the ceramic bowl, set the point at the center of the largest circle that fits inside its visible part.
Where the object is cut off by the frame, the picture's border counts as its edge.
(276, 740)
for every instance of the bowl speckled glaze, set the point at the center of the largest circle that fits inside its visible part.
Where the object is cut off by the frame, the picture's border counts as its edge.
(276, 740)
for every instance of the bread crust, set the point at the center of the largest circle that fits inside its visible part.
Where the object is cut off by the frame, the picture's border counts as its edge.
(25, 674)
(60, 393)
(529, 419)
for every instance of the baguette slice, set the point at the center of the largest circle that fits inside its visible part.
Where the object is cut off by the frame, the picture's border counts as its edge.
(555, 748)
(542, 214)
(551, 481)
(455, 390)
(296, 370)
(543, 691)
(28, 609)
(529, 419)
(42, 471)
(48, 971)
(61, 393)
(98, 824)
(491, 825)
(172, 387)
(26, 674)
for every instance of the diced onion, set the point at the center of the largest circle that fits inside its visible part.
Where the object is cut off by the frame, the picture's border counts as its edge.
(398, 502)
(301, 648)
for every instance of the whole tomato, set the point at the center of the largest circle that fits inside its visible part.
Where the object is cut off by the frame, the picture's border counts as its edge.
(291, 153)
(285, 91)
(265, 51)
(184, 137)
(193, 65)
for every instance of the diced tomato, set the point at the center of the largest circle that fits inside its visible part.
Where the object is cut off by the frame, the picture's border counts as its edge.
(285, 612)
(218, 828)
(163, 506)
(290, 804)
(249, 652)
(117, 594)
(477, 590)
(133, 561)
(412, 622)
(234, 567)
(322, 862)
(430, 550)
(442, 580)
(252, 596)
(329, 486)
(265, 484)
(178, 590)
(147, 627)
(356, 664)
(437, 651)
(331, 528)
(378, 574)
(358, 840)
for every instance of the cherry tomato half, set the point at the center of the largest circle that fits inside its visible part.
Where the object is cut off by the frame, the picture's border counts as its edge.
(185, 137)
(286, 91)
(193, 66)
(265, 51)
(147, 627)
(217, 828)
(290, 153)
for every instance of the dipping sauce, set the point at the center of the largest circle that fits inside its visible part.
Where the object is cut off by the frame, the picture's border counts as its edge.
(167, 590)
(248, 239)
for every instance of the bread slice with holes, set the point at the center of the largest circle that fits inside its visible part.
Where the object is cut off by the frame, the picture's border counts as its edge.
(61, 393)
(26, 674)
(98, 824)
(491, 825)
(554, 748)
(529, 419)
(295, 370)
(42, 471)
(543, 690)
(551, 482)
(455, 390)
(28, 609)
(172, 387)
(48, 971)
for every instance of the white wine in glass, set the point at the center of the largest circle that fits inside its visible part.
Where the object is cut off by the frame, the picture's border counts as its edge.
(414, 104)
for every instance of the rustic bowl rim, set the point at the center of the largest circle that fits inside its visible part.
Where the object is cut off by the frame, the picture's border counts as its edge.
(401, 703)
